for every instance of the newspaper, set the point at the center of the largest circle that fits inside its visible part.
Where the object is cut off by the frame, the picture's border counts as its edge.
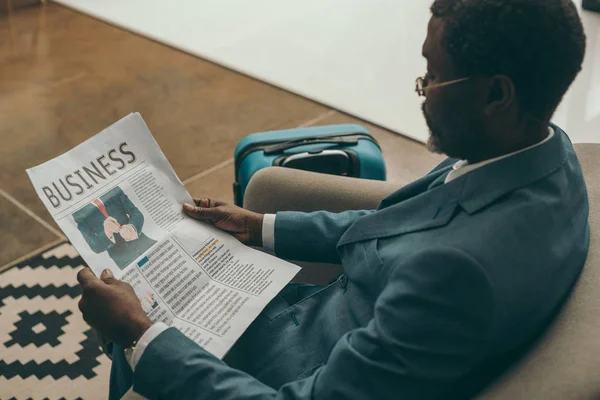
(118, 200)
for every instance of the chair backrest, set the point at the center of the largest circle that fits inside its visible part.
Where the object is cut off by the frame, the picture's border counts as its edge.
(565, 363)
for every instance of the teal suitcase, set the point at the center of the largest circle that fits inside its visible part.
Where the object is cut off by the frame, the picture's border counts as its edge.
(345, 150)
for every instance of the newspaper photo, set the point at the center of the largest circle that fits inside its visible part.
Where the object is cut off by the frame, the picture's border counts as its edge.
(119, 201)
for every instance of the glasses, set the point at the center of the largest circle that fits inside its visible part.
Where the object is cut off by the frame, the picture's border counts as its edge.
(422, 85)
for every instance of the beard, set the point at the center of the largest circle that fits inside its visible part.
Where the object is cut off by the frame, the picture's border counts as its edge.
(436, 140)
(453, 135)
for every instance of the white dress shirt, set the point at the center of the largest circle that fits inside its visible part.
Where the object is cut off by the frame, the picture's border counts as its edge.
(268, 236)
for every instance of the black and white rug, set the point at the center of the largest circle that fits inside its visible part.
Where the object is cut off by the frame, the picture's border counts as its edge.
(47, 351)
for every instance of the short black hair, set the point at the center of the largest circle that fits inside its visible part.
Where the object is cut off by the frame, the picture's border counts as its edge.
(539, 44)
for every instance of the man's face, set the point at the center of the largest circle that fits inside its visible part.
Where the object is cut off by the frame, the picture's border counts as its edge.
(453, 113)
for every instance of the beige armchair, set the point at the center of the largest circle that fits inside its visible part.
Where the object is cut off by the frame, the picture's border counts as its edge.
(563, 364)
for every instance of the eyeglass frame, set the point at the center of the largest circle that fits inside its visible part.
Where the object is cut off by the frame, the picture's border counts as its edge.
(422, 88)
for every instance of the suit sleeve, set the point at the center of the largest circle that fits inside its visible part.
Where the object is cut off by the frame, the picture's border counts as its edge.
(95, 238)
(312, 236)
(431, 324)
(136, 218)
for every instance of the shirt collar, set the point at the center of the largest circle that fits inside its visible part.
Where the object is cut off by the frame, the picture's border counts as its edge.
(463, 167)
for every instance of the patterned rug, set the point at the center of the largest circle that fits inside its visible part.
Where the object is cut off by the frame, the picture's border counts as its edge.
(47, 351)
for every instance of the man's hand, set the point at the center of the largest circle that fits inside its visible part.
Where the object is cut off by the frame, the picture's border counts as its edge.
(128, 232)
(112, 307)
(111, 226)
(244, 225)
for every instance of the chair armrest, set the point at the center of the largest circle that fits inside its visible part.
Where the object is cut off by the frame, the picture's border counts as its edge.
(284, 189)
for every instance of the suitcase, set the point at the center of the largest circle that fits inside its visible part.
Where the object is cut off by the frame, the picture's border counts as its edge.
(346, 150)
(591, 5)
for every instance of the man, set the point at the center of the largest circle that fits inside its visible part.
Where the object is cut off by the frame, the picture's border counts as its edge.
(112, 223)
(448, 281)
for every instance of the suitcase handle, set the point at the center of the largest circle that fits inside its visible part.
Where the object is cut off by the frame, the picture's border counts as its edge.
(278, 148)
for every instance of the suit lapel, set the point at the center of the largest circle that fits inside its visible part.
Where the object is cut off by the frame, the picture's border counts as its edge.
(414, 188)
(430, 203)
(427, 209)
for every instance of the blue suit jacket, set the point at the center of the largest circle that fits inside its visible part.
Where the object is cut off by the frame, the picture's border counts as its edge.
(443, 285)
(90, 222)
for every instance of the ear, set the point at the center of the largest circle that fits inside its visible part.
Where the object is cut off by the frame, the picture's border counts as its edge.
(501, 95)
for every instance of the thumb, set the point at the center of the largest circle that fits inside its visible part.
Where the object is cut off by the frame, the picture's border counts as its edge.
(107, 276)
(200, 213)
(86, 277)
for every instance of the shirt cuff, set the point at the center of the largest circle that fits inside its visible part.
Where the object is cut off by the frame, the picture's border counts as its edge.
(268, 233)
(133, 357)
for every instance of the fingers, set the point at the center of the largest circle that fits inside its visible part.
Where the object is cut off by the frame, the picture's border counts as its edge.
(203, 202)
(126, 232)
(84, 304)
(200, 213)
(206, 202)
(132, 232)
(107, 276)
(112, 225)
(86, 277)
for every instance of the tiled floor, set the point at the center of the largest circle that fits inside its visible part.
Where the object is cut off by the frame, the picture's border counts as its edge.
(65, 76)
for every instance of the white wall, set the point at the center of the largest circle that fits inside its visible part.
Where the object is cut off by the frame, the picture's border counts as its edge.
(360, 56)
